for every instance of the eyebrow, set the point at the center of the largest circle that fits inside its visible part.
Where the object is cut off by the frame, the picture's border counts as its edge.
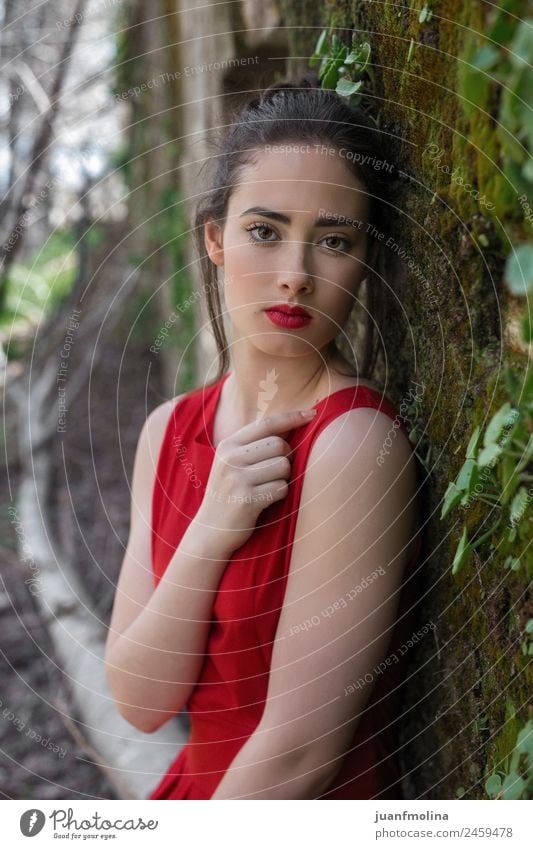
(322, 221)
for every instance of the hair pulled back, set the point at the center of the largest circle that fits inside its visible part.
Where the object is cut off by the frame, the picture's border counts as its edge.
(289, 112)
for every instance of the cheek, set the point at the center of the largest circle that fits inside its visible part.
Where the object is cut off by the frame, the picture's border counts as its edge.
(340, 290)
(241, 294)
(241, 260)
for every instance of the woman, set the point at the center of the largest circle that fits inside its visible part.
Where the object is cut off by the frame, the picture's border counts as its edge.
(278, 542)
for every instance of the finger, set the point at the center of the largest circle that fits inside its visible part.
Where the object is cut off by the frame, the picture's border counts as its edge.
(265, 449)
(277, 423)
(271, 469)
(268, 493)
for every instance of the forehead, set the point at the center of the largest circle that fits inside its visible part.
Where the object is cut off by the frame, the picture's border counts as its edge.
(305, 175)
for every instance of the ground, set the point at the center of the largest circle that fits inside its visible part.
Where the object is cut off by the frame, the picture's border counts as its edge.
(34, 693)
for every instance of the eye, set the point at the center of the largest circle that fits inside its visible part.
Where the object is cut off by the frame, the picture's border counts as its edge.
(257, 226)
(338, 239)
(260, 226)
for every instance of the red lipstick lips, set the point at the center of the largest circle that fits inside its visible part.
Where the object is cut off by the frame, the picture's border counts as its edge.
(286, 315)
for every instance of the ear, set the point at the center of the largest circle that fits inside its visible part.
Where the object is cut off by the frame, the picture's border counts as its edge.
(213, 241)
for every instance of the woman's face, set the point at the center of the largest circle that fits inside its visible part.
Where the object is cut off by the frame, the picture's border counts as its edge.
(292, 250)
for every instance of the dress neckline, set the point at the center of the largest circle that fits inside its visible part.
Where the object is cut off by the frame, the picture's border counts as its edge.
(205, 436)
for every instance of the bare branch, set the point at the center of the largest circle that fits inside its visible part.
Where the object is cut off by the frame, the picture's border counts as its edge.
(40, 147)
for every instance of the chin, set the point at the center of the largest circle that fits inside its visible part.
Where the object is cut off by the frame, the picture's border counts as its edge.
(284, 348)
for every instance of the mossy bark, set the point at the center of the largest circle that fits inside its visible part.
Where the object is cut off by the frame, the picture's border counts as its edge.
(448, 329)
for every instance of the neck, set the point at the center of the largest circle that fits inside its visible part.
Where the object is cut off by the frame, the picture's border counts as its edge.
(262, 384)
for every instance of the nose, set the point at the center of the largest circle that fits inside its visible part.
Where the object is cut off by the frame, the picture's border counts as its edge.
(295, 276)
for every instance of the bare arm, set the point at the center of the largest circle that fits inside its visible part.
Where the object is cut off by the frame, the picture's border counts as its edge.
(155, 664)
(157, 637)
(354, 527)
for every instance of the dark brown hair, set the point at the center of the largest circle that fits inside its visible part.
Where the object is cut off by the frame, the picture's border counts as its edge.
(295, 112)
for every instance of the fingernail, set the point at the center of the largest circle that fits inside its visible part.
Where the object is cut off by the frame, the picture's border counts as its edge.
(307, 413)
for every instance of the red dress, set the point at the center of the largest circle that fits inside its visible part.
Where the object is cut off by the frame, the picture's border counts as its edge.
(228, 700)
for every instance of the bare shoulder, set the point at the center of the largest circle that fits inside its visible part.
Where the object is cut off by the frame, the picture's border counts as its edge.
(154, 427)
(360, 445)
(362, 429)
(355, 457)
(146, 459)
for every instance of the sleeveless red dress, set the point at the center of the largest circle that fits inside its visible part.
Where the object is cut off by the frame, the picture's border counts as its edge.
(227, 703)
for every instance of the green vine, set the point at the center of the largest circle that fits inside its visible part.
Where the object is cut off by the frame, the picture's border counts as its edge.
(514, 780)
(498, 78)
(506, 57)
(498, 472)
(341, 68)
(494, 487)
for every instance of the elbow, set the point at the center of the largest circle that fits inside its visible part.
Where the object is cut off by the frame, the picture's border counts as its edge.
(141, 720)
(145, 719)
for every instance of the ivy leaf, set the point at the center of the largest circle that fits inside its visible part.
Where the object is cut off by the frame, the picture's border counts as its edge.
(519, 271)
(526, 329)
(513, 786)
(485, 57)
(472, 445)
(468, 476)
(462, 554)
(340, 55)
(519, 504)
(493, 784)
(319, 48)
(451, 497)
(521, 50)
(489, 454)
(512, 563)
(495, 426)
(359, 55)
(346, 87)
(425, 14)
(511, 535)
(329, 75)
(509, 478)
(353, 56)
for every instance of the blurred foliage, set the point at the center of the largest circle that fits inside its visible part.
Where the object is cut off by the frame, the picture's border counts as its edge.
(504, 60)
(170, 229)
(36, 287)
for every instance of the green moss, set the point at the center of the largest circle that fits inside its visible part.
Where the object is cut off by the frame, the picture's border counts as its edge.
(455, 351)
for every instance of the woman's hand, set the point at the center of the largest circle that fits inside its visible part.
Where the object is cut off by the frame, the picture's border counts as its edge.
(249, 472)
